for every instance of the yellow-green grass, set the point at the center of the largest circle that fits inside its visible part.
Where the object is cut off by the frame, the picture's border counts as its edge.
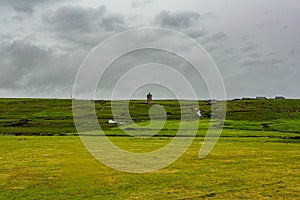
(36, 167)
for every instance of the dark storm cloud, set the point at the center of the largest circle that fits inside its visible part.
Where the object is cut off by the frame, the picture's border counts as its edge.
(179, 19)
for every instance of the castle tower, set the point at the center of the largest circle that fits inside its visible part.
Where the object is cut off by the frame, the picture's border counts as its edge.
(149, 98)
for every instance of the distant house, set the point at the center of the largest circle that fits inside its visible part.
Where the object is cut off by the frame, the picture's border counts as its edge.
(261, 98)
(279, 97)
(211, 101)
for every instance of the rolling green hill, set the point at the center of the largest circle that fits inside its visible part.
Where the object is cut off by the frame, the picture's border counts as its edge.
(54, 116)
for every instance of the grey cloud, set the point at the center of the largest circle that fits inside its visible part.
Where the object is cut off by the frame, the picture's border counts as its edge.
(214, 38)
(254, 55)
(209, 15)
(75, 19)
(271, 54)
(265, 25)
(218, 36)
(251, 62)
(247, 38)
(177, 19)
(270, 79)
(31, 68)
(185, 21)
(228, 52)
(20, 59)
(294, 52)
(84, 26)
(24, 6)
(261, 61)
(275, 61)
(213, 42)
(250, 54)
(249, 46)
(211, 47)
(113, 22)
(20, 5)
(195, 33)
(140, 3)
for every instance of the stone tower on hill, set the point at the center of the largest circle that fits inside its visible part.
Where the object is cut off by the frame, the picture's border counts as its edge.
(149, 98)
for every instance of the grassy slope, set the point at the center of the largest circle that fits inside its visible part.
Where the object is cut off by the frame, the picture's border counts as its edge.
(54, 117)
(266, 115)
(36, 116)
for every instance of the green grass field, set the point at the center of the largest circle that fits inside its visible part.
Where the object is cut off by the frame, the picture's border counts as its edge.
(257, 156)
(54, 116)
(61, 168)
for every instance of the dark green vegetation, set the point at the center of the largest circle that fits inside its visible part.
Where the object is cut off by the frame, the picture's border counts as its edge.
(257, 156)
(36, 116)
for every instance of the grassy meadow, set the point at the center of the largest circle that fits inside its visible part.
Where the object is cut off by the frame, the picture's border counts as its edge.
(256, 157)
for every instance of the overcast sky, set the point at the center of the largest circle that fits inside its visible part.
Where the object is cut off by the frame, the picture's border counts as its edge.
(255, 44)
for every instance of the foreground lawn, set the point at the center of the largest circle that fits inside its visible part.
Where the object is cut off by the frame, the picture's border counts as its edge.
(59, 167)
